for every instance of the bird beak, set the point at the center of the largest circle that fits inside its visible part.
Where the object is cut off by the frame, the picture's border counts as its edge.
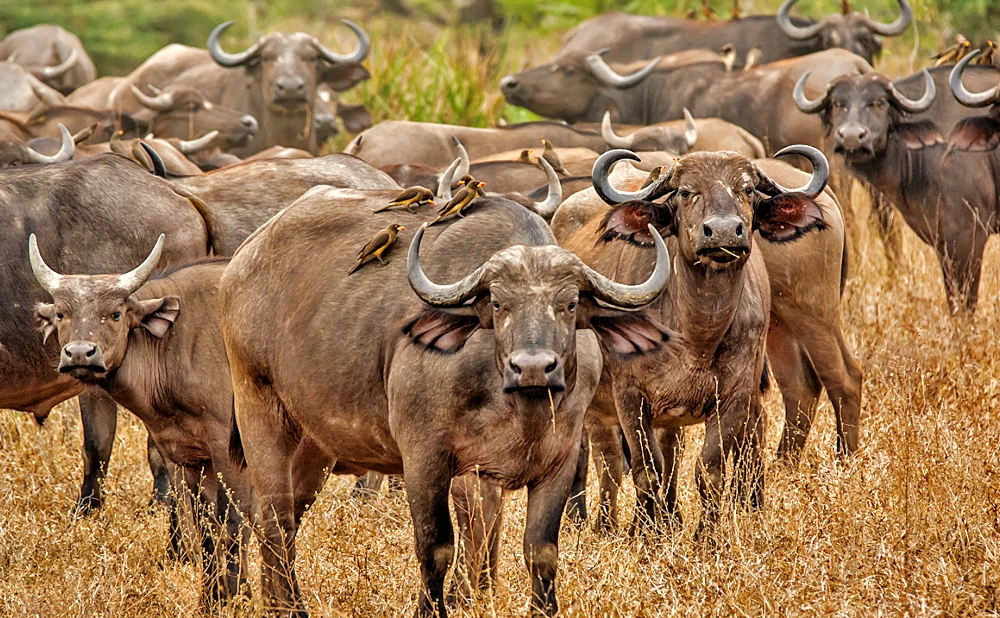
(402, 229)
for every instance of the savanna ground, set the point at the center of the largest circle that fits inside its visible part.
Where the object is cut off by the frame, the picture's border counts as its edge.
(909, 526)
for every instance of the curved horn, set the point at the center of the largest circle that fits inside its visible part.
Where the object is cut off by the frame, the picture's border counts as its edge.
(195, 145)
(359, 53)
(439, 295)
(158, 167)
(897, 27)
(229, 60)
(804, 104)
(59, 69)
(966, 98)
(614, 140)
(463, 155)
(65, 153)
(921, 104)
(44, 93)
(444, 183)
(690, 129)
(133, 280)
(162, 102)
(548, 207)
(820, 173)
(47, 278)
(607, 75)
(634, 296)
(611, 195)
(793, 31)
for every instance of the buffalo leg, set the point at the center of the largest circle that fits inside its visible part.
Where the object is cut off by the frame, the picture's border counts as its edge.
(576, 508)
(427, 480)
(962, 264)
(748, 463)
(800, 389)
(310, 468)
(546, 502)
(842, 376)
(158, 466)
(99, 416)
(635, 417)
(479, 512)
(269, 452)
(608, 459)
(710, 469)
(671, 445)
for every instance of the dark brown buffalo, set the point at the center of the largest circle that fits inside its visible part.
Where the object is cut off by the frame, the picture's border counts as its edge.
(182, 112)
(22, 92)
(52, 55)
(242, 197)
(507, 405)
(637, 37)
(94, 216)
(894, 144)
(718, 300)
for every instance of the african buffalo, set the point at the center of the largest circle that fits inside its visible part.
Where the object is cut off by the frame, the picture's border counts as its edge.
(22, 92)
(97, 215)
(891, 136)
(183, 112)
(507, 405)
(720, 301)
(638, 37)
(53, 55)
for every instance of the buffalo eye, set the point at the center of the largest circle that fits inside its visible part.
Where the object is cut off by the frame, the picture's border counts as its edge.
(496, 306)
(116, 316)
(59, 316)
(685, 195)
(748, 191)
(571, 307)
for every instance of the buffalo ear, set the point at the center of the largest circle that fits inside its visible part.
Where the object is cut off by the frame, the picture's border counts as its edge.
(918, 135)
(626, 334)
(158, 315)
(356, 118)
(629, 221)
(343, 77)
(444, 331)
(45, 312)
(787, 217)
(975, 134)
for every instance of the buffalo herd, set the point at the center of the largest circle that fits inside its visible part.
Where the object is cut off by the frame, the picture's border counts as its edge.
(175, 246)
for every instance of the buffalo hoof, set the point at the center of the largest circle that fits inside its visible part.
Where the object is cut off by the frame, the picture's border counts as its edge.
(88, 504)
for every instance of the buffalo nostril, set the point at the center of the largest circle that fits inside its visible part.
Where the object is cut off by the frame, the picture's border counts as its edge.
(91, 352)
(739, 231)
(552, 366)
(515, 368)
(67, 352)
(707, 231)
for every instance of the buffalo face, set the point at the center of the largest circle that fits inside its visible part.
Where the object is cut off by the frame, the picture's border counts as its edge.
(185, 113)
(561, 90)
(850, 30)
(534, 299)
(862, 111)
(92, 315)
(714, 201)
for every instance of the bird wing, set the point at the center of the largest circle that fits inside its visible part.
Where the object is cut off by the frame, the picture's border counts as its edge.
(374, 244)
(409, 194)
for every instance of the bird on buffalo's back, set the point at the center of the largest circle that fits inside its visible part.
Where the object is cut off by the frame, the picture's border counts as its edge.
(953, 53)
(377, 246)
(410, 198)
(552, 157)
(461, 199)
(464, 181)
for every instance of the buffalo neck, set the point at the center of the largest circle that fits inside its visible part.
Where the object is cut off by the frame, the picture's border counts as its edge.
(701, 303)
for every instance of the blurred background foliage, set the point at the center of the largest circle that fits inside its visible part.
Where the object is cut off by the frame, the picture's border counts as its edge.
(441, 60)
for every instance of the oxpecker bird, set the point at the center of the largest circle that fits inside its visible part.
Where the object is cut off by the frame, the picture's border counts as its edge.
(550, 155)
(411, 198)
(654, 175)
(378, 245)
(461, 199)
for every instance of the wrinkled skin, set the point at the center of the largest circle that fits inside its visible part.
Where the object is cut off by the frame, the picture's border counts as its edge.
(46, 45)
(899, 157)
(95, 216)
(376, 411)
(164, 360)
(805, 346)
